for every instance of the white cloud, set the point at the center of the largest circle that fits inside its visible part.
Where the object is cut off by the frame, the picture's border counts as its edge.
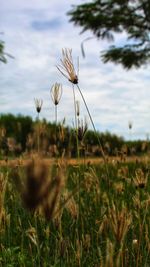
(114, 95)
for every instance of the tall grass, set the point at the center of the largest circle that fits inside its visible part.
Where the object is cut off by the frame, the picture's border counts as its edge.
(114, 224)
(74, 215)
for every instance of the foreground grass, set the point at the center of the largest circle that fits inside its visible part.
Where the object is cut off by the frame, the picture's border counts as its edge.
(99, 220)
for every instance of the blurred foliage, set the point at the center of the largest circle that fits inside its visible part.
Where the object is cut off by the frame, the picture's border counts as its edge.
(2, 54)
(107, 18)
(18, 134)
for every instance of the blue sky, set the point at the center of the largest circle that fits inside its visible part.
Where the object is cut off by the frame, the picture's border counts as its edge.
(35, 32)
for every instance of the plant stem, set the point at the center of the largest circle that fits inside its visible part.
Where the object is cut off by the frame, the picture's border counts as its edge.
(56, 125)
(100, 145)
(76, 124)
(38, 138)
(56, 114)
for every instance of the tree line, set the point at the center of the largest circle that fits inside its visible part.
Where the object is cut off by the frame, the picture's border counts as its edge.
(20, 134)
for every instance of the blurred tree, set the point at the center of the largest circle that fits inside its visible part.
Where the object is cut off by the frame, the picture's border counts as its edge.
(17, 127)
(105, 18)
(18, 133)
(2, 54)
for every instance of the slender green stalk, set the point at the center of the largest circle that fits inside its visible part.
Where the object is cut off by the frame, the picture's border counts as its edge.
(74, 102)
(100, 145)
(38, 137)
(76, 123)
(38, 245)
(56, 124)
(56, 114)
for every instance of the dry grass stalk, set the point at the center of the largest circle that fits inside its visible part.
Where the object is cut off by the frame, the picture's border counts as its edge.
(67, 66)
(3, 184)
(78, 252)
(123, 172)
(147, 237)
(140, 179)
(91, 181)
(119, 187)
(56, 93)
(119, 222)
(137, 203)
(64, 245)
(86, 242)
(78, 108)
(71, 206)
(82, 129)
(109, 259)
(32, 234)
(37, 183)
(39, 191)
(62, 131)
(38, 104)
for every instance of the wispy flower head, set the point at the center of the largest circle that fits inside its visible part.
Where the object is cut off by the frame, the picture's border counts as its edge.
(130, 125)
(67, 66)
(38, 104)
(82, 129)
(56, 93)
(78, 108)
(140, 179)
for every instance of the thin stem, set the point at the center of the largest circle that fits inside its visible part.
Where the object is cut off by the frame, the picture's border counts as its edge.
(100, 145)
(75, 110)
(56, 126)
(76, 123)
(38, 138)
(56, 114)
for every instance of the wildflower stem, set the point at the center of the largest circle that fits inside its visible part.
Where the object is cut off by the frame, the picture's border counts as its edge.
(38, 138)
(75, 111)
(56, 124)
(100, 145)
(76, 124)
(56, 114)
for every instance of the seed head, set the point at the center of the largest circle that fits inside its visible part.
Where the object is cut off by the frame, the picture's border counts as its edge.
(67, 66)
(130, 125)
(38, 104)
(56, 93)
(140, 179)
(37, 184)
(119, 222)
(78, 108)
(82, 129)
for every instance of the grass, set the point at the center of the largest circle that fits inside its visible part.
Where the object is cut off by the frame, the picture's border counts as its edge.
(74, 213)
(110, 228)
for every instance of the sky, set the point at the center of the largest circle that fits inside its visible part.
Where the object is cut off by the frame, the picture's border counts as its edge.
(35, 31)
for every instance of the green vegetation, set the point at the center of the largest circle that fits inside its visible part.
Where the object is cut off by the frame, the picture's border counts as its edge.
(18, 134)
(2, 54)
(103, 221)
(107, 19)
(71, 215)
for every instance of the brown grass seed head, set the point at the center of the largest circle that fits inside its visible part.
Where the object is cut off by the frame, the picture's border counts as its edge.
(36, 187)
(82, 129)
(140, 179)
(38, 104)
(130, 125)
(67, 66)
(56, 93)
(78, 108)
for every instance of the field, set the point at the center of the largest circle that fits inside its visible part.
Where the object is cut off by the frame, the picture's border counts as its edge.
(62, 214)
(61, 207)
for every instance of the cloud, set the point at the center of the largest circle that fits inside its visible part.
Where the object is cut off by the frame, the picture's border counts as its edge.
(35, 35)
(47, 25)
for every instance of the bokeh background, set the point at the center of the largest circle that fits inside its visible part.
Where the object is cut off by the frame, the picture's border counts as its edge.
(35, 32)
